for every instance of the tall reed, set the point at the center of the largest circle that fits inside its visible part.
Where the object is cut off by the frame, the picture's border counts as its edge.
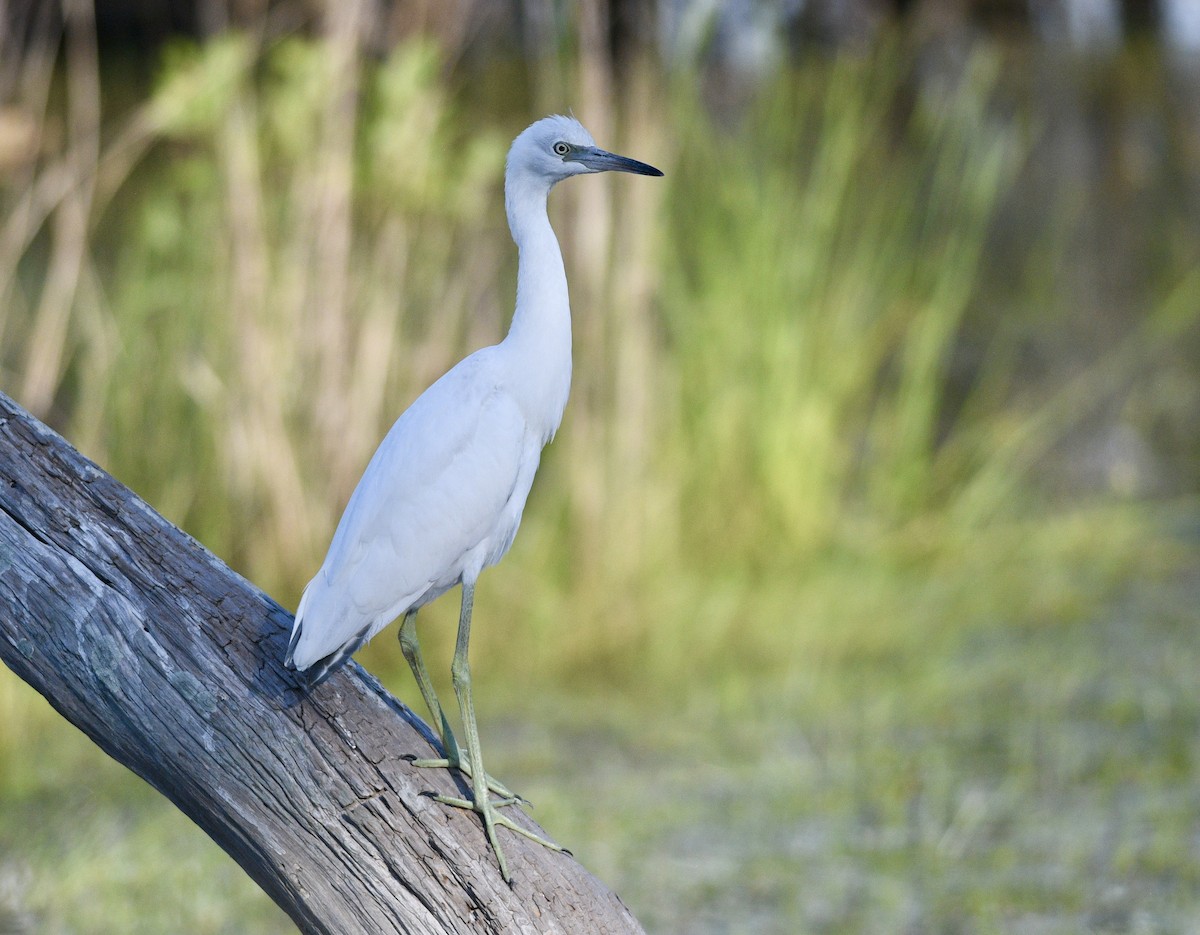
(287, 242)
(817, 292)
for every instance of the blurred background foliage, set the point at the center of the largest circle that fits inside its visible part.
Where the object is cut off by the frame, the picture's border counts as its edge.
(859, 590)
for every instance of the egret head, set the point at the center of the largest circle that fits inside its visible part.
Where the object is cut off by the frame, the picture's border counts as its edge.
(558, 147)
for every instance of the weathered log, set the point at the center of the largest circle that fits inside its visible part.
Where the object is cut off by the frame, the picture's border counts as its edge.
(171, 663)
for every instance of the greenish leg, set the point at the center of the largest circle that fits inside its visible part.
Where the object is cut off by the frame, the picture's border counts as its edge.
(454, 759)
(482, 803)
(411, 649)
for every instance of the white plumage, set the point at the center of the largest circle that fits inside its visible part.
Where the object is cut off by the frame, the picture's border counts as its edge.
(440, 501)
(443, 495)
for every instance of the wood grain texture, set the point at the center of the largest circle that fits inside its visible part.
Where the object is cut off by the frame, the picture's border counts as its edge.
(172, 663)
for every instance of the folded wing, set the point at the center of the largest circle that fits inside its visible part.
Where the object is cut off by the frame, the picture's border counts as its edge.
(434, 495)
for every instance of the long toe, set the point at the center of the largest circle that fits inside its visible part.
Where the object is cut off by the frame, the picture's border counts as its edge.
(464, 766)
(470, 806)
(504, 822)
(492, 819)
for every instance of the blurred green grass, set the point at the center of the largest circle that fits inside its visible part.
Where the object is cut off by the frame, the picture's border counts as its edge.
(809, 634)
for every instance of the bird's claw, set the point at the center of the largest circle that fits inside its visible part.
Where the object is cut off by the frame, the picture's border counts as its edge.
(468, 804)
(493, 820)
(507, 796)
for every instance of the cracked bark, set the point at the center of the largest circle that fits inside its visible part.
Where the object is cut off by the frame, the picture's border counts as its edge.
(172, 664)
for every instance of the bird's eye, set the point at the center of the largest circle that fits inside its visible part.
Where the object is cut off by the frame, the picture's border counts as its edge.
(561, 148)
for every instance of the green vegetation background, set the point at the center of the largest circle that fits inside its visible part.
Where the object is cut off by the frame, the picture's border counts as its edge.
(812, 624)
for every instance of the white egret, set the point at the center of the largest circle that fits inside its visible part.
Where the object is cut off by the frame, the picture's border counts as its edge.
(443, 495)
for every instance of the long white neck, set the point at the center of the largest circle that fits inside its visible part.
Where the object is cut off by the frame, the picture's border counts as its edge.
(539, 339)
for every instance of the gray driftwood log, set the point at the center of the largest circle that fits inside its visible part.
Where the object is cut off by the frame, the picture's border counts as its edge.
(171, 662)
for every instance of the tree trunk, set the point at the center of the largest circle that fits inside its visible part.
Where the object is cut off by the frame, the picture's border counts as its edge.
(172, 664)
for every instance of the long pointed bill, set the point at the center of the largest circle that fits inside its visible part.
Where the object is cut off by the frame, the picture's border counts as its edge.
(600, 161)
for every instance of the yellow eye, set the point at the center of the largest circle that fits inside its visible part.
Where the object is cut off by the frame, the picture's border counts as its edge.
(561, 148)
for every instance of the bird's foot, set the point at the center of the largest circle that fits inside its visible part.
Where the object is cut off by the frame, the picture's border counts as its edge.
(463, 765)
(486, 809)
